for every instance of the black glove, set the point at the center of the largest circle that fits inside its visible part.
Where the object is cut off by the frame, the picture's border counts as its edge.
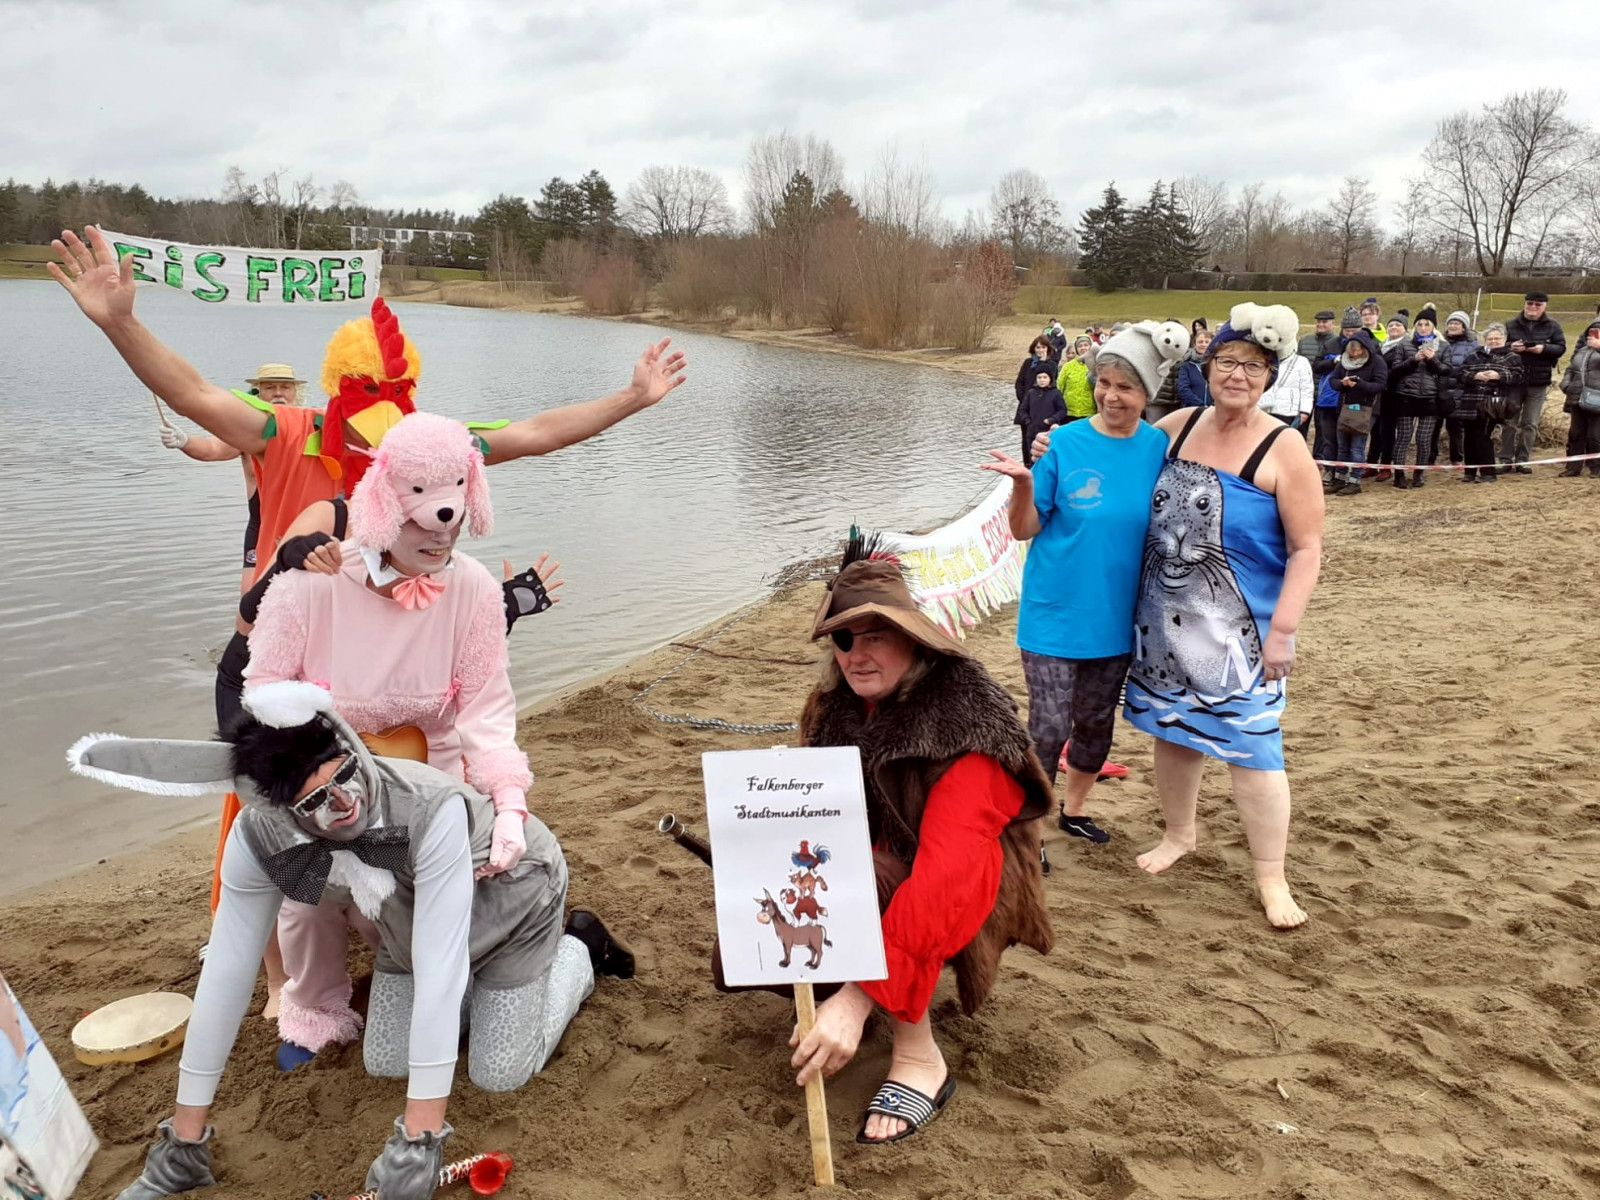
(293, 553)
(408, 1168)
(172, 1165)
(524, 595)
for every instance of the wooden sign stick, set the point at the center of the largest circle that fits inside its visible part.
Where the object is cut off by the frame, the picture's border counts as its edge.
(159, 411)
(805, 1011)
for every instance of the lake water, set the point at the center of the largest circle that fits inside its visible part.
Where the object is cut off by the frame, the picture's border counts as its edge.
(121, 558)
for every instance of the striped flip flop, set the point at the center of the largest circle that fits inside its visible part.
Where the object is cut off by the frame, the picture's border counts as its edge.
(907, 1104)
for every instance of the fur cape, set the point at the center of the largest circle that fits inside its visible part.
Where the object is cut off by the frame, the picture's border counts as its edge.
(957, 708)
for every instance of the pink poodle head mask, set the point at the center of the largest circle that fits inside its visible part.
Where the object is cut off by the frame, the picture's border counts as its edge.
(429, 471)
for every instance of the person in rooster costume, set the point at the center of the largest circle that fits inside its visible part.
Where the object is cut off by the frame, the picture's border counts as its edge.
(310, 458)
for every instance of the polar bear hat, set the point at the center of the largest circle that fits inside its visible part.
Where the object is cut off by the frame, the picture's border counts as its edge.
(1273, 327)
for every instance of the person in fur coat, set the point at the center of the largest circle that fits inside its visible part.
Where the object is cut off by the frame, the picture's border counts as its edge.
(955, 794)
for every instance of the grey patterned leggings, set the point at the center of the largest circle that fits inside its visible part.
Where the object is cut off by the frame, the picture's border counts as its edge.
(1073, 699)
(1422, 428)
(511, 1032)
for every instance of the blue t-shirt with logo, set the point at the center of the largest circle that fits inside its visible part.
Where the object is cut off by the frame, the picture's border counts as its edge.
(1082, 575)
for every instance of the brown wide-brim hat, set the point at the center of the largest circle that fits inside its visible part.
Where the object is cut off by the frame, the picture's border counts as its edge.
(875, 588)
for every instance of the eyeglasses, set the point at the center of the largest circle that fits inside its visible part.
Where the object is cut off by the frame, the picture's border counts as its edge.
(318, 796)
(1252, 368)
(845, 639)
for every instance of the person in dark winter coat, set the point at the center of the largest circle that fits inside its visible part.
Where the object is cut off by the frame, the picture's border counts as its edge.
(1459, 344)
(1489, 377)
(1416, 367)
(1357, 379)
(1039, 352)
(1583, 435)
(1043, 407)
(1321, 347)
(1325, 406)
(1380, 446)
(1541, 342)
(1193, 391)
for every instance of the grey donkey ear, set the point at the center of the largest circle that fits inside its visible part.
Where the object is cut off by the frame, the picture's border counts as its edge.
(158, 766)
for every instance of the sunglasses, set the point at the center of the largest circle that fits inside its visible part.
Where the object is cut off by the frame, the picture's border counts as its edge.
(845, 639)
(318, 796)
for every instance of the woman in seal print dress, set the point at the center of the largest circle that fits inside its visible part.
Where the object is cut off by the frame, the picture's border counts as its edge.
(1230, 561)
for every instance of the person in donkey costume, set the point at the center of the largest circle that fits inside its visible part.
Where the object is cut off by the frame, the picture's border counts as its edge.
(405, 843)
(955, 794)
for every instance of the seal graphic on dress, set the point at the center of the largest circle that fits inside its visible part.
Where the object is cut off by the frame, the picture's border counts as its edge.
(1193, 628)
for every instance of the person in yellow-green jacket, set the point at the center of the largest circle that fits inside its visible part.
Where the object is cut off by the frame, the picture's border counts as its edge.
(1075, 383)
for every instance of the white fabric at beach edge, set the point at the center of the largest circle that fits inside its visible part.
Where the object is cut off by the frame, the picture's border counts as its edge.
(964, 571)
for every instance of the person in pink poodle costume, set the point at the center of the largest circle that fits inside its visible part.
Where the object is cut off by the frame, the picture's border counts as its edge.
(404, 632)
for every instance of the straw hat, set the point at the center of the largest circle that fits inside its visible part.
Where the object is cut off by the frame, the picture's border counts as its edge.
(874, 587)
(275, 373)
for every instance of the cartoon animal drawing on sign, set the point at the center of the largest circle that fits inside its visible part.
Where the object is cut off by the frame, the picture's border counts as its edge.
(811, 938)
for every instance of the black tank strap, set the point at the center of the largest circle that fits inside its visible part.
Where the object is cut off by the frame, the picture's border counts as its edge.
(341, 518)
(1260, 456)
(1184, 432)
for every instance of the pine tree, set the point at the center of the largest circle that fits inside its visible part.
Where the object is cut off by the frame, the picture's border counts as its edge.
(1183, 246)
(10, 212)
(1104, 240)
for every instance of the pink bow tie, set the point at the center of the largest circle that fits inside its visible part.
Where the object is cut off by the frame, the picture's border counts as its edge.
(417, 591)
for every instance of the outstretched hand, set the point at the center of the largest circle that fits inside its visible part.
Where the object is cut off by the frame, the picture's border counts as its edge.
(657, 373)
(1004, 464)
(101, 287)
(544, 569)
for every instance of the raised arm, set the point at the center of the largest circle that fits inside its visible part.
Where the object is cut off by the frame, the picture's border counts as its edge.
(654, 375)
(104, 289)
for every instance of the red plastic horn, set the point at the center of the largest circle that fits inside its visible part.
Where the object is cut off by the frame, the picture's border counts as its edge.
(484, 1173)
(488, 1175)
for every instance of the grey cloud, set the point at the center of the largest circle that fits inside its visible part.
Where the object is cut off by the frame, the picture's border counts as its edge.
(422, 103)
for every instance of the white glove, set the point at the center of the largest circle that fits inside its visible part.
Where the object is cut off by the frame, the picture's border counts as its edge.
(173, 439)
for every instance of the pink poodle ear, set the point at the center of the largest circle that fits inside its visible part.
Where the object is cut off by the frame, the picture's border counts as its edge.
(480, 511)
(375, 512)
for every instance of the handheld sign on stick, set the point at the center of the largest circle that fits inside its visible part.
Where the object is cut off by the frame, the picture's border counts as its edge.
(797, 897)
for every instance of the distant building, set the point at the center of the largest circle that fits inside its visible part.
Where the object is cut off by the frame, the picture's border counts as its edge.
(400, 239)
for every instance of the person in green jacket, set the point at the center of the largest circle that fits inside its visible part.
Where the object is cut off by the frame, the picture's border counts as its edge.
(1076, 386)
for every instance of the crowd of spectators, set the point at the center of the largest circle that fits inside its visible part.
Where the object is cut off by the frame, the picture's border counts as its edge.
(1376, 398)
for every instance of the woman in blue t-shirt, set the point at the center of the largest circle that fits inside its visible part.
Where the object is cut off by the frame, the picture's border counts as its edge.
(1086, 506)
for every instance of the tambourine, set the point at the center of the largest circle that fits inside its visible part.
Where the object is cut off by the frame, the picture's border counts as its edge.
(132, 1029)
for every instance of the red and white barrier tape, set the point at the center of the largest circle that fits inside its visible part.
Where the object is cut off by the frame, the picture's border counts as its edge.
(1538, 462)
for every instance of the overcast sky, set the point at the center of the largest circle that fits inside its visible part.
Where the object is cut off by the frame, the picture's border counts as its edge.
(446, 104)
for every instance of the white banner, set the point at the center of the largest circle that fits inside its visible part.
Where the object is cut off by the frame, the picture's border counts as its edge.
(961, 572)
(237, 275)
(797, 896)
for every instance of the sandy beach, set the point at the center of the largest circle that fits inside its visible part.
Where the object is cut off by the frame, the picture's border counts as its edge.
(1433, 1029)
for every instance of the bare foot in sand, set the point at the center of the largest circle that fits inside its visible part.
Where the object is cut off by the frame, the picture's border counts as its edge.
(269, 1011)
(1163, 856)
(1282, 911)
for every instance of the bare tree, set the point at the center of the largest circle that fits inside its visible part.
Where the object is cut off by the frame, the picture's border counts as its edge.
(1485, 172)
(1407, 239)
(1247, 215)
(1349, 222)
(1205, 203)
(1024, 215)
(305, 199)
(676, 203)
(771, 166)
(895, 252)
(791, 187)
